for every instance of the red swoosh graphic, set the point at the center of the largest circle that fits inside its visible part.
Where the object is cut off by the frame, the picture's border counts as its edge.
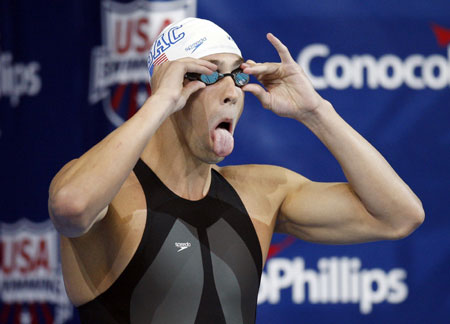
(276, 248)
(442, 34)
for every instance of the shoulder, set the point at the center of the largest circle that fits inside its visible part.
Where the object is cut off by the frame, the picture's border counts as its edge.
(262, 176)
(258, 184)
(262, 189)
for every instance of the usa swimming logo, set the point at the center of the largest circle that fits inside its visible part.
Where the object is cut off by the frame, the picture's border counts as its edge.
(31, 283)
(118, 74)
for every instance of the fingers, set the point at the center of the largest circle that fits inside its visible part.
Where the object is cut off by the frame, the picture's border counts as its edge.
(264, 68)
(260, 93)
(249, 63)
(266, 71)
(171, 74)
(185, 65)
(282, 50)
(192, 87)
(198, 66)
(169, 79)
(182, 66)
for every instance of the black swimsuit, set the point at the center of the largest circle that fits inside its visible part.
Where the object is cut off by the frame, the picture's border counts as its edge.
(197, 262)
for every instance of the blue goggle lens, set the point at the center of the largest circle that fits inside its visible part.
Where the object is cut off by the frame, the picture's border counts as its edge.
(209, 79)
(241, 79)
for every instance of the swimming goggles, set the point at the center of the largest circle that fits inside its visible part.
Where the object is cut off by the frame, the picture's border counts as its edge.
(240, 78)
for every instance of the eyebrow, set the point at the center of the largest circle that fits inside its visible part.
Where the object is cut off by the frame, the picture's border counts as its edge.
(237, 62)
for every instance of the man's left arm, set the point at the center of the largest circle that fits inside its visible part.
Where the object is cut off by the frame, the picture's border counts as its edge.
(374, 204)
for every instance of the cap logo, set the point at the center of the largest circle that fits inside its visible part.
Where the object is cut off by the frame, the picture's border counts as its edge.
(166, 40)
(193, 47)
(190, 37)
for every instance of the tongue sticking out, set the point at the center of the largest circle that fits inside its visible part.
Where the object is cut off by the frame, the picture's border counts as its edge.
(223, 142)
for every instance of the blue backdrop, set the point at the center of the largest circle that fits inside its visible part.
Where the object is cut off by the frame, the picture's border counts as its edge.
(71, 71)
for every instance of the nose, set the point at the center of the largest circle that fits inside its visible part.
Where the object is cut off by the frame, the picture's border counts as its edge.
(229, 92)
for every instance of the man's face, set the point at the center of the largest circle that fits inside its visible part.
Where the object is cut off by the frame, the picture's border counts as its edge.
(208, 120)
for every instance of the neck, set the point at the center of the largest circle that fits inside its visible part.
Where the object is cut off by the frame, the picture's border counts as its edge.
(174, 164)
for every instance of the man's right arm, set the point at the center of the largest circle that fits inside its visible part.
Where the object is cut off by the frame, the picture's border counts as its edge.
(80, 193)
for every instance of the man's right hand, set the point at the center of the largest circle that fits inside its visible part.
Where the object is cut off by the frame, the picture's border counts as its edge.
(168, 81)
(82, 191)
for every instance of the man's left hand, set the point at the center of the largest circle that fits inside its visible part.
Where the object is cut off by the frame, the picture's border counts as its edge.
(288, 91)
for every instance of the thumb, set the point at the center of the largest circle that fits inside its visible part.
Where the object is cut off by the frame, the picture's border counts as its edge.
(191, 87)
(260, 93)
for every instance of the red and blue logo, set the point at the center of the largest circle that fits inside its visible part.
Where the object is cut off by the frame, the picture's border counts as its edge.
(119, 75)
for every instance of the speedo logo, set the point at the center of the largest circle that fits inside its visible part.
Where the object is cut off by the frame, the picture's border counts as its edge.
(388, 71)
(182, 246)
(193, 47)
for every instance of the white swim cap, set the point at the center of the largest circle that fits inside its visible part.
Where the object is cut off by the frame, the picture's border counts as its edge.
(190, 37)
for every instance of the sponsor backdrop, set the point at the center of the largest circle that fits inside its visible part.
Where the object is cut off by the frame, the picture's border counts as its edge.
(71, 71)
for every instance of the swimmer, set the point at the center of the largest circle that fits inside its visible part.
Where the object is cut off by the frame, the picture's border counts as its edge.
(153, 231)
